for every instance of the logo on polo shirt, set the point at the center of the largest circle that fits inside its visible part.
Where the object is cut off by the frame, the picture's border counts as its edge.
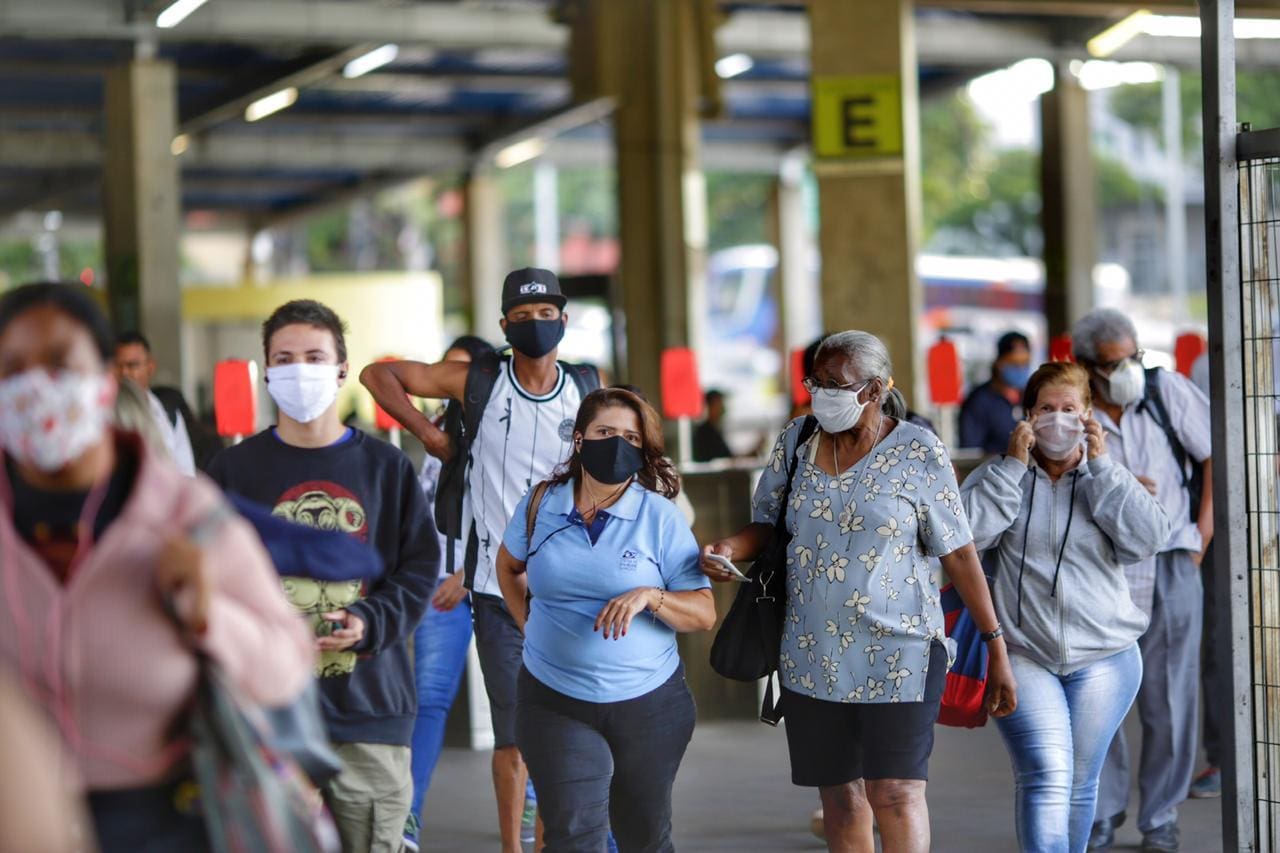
(630, 561)
(531, 288)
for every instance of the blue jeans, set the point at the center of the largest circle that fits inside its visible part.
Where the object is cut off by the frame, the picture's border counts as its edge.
(439, 658)
(1058, 740)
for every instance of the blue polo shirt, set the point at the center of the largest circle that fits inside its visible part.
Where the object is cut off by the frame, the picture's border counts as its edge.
(645, 542)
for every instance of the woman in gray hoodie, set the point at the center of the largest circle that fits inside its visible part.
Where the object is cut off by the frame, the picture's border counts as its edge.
(1060, 520)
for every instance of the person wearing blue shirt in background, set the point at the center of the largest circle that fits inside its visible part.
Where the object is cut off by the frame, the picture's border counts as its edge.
(988, 415)
(604, 714)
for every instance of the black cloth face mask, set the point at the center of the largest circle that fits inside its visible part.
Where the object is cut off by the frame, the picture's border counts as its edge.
(611, 460)
(535, 338)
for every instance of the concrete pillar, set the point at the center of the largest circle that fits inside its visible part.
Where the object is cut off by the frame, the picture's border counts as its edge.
(1069, 210)
(797, 312)
(866, 145)
(487, 259)
(645, 54)
(142, 209)
(546, 216)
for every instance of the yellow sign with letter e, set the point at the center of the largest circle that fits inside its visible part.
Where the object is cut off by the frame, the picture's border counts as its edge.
(857, 117)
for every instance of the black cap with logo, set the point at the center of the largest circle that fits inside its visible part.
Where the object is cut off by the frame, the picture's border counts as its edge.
(531, 284)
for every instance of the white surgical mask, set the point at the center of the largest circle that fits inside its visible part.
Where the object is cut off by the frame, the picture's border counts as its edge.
(47, 420)
(303, 391)
(1058, 434)
(1127, 383)
(837, 410)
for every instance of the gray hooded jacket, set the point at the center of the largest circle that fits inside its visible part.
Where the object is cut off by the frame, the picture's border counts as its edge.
(1088, 615)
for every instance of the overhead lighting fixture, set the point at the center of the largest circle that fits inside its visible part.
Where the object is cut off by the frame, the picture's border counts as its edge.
(180, 144)
(1117, 35)
(375, 58)
(1103, 74)
(1185, 26)
(733, 65)
(520, 152)
(175, 13)
(272, 103)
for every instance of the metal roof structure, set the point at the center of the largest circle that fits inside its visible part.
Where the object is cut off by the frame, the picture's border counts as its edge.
(468, 75)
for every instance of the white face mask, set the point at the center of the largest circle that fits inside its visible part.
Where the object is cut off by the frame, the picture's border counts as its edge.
(837, 410)
(1127, 383)
(1058, 434)
(49, 420)
(304, 392)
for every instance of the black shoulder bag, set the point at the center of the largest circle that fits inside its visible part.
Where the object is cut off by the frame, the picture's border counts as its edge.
(1192, 472)
(747, 646)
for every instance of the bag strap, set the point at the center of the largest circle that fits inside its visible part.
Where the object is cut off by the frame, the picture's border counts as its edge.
(531, 512)
(585, 376)
(807, 428)
(1155, 405)
(482, 375)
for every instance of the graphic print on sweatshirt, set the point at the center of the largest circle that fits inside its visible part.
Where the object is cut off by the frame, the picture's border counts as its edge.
(521, 440)
(325, 506)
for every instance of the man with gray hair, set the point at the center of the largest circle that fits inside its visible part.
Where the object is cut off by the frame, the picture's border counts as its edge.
(1157, 425)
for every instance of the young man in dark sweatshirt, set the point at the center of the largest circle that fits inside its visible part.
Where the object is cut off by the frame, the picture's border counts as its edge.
(313, 470)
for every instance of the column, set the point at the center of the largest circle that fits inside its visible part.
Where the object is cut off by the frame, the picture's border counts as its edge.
(645, 54)
(487, 259)
(142, 209)
(866, 146)
(1069, 208)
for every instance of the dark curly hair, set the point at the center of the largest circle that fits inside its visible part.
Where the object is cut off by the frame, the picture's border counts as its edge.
(658, 474)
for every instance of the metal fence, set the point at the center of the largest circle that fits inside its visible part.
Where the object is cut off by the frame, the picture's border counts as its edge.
(1259, 216)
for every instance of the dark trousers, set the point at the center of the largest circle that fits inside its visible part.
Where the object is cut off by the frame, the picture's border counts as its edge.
(597, 765)
(146, 820)
(1211, 668)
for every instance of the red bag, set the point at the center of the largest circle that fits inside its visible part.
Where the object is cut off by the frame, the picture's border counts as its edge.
(967, 679)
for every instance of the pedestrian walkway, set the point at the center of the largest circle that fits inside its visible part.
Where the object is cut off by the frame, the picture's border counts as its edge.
(734, 793)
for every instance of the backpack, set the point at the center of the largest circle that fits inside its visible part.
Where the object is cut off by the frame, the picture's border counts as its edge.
(462, 424)
(1192, 472)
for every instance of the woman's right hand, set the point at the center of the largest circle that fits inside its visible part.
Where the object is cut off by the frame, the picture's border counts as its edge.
(449, 593)
(1021, 441)
(712, 569)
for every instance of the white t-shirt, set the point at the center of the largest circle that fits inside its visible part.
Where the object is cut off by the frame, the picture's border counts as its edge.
(522, 438)
(174, 433)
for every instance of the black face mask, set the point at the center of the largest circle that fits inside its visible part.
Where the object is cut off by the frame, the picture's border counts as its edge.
(611, 460)
(535, 338)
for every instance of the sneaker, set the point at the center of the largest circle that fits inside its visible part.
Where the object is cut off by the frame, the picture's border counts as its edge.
(1103, 834)
(411, 829)
(1162, 839)
(1207, 785)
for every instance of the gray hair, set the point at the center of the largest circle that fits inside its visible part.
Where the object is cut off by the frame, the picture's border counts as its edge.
(1100, 326)
(869, 358)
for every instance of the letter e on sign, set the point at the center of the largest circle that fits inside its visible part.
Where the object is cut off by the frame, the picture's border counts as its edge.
(857, 117)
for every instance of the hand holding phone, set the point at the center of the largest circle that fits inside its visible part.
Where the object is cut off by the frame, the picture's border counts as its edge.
(727, 564)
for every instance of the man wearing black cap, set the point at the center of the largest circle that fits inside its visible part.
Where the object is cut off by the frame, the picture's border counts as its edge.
(518, 412)
(991, 410)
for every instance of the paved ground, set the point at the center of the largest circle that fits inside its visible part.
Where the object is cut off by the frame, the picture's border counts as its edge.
(734, 793)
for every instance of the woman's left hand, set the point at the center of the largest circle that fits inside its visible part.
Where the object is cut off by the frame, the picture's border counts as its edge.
(618, 613)
(1002, 690)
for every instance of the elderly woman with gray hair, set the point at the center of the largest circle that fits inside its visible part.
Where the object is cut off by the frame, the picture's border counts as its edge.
(863, 664)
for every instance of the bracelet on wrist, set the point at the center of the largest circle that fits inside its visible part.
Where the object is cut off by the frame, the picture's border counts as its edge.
(990, 636)
(662, 597)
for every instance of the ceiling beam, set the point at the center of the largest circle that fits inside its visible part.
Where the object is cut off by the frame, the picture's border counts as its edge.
(319, 22)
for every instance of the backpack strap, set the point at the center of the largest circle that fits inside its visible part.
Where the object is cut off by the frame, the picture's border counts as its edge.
(1154, 403)
(585, 376)
(807, 428)
(482, 375)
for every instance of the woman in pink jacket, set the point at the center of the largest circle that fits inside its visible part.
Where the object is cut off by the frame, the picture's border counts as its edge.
(92, 534)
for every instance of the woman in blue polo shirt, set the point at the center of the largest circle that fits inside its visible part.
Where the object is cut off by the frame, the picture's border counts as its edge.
(604, 714)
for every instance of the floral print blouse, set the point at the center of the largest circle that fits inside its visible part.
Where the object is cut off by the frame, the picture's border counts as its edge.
(863, 605)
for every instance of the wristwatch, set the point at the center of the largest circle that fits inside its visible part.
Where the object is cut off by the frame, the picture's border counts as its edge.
(992, 635)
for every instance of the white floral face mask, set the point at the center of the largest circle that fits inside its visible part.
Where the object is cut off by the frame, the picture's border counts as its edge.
(47, 420)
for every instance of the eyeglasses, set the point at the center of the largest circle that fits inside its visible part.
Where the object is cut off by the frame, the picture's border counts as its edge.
(1110, 366)
(813, 386)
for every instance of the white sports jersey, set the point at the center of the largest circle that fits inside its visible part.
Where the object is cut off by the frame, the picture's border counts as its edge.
(522, 438)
